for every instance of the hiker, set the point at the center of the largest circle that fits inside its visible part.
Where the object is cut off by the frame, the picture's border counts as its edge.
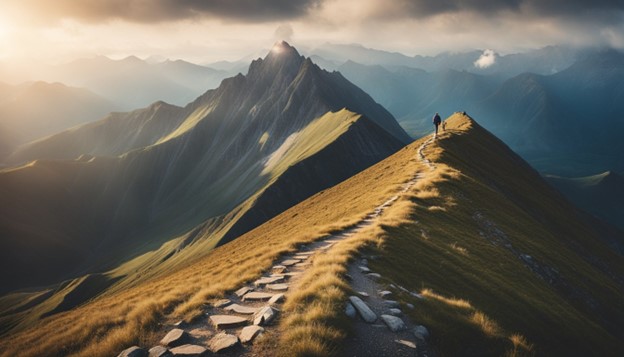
(436, 121)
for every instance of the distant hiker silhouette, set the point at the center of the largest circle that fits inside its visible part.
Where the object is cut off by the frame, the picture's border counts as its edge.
(436, 121)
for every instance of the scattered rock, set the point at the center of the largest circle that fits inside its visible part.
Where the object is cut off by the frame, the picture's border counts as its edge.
(365, 262)
(239, 309)
(134, 351)
(373, 275)
(271, 280)
(395, 312)
(175, 337)
(257, 296)
(391, 303)
(410, 306)
(265, 316)
(222, 341)
(249, 333)
(421, 332)
(290, 262)
(350, 310)
(301, 265)
(189, 351)
(159, 351)
(301, 257)
(348, 277)
(365, 312)
(362, 293)
(222, 303)
(407, 343)
(180, 323)
(227, 321)
(242, 291)
(277, 298)
(393, 286)
(364, 269)
(417, 295)
(394, 323)
(385, 293)
(277, 287)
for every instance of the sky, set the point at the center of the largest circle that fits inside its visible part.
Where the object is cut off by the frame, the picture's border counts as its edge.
(203, 31)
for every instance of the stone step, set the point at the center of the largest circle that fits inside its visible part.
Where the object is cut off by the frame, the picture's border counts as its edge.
(277, 298)
(228, 321)
(290, 262)
(242, 291)
(257, 296)
(265, 316)
(365, 312)
(175, 337)
(277, 287)
(239, 309)
(269, 280)
(249, 333)
(222, 341)
(189, 350)
(395, 324)
(222, 303)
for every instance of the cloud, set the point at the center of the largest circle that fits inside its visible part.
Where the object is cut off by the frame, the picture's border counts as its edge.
(284, 32)
(487, 59)
(147, 11)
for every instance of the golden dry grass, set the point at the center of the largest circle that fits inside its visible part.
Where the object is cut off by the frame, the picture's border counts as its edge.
(111, 323)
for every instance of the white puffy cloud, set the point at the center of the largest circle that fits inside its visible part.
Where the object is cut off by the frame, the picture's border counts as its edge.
(487, 59)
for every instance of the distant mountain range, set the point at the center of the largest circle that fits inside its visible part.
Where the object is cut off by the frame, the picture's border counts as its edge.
(177, 181)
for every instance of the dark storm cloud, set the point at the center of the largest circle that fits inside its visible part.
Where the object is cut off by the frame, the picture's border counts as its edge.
(167, 10)
(534, 8)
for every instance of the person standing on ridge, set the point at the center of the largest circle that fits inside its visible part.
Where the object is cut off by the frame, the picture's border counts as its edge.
(436, 121)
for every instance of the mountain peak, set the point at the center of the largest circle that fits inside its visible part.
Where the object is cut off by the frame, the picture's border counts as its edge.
(282, 58)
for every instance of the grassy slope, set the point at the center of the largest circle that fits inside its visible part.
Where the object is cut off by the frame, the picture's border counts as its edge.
(481, 294)
(108, 324)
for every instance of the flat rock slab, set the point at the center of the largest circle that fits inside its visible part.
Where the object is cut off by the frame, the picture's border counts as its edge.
(189, 351)
(277, 287)
(134, 351)
(301, 265)
(395, 312)
(277, 298)
(391, 303)
(290, 262)
(364, 269)
(385, 293)
(249, 333)
(257, 296)
(365, 312)
(159, 351)
(221, 303)
(373, 275)
(279, 269)
(395, 324)
(271, 280)
(227, 321)
(242, 291)
(350, 310)
(222, 341)
(362, 293)
(239, 309)
(301, 257)
(175, 337)
(407, 343)
(265, 316)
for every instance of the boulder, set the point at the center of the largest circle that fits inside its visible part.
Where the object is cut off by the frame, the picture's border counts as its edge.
(365, 312)
(257, 296)
(249, 333)
(242, 291)
(394, 323)
(159, 351)
(421, 332)
(395, 312)
(189, 351)
(175, 337)
(264, 316)
(350, 310)
(134, 351)
(222, 341)
(239, 309)
(227, 321)
(277, 298)
(277, 287)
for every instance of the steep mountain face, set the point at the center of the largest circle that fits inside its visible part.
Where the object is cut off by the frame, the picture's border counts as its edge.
(133, 181)
(601, 195)
(34, 110)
